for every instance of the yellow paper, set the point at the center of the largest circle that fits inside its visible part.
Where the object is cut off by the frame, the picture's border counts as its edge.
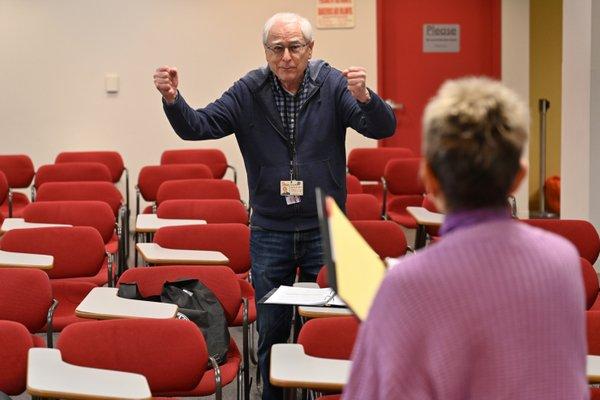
(359, 270)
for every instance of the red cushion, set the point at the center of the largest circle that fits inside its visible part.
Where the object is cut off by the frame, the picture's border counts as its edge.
(25, 297)
(396, 209)
(16, 342)
(197, 189)
(18, 169)
(233, 240)
(69, 295)
(593, 332)
(96, 214)
(213, 158)
(385, 237)
(19, 202)
(353, 185)
(152, 176)
(362, 207)
(590, 280)
(170, 353)
(402, 177)
(579, 232)
(72, 172)
(101, 191)
(329, 337)
(211, 210)
(323, 277)
(39, 341)
(219, 279)
(78, 251)
(368, 164)
(112, 160)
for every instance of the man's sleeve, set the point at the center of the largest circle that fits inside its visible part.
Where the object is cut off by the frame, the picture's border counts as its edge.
(374, 119)
(216, 120)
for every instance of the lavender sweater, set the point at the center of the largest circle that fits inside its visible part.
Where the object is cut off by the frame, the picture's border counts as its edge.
(495, 310)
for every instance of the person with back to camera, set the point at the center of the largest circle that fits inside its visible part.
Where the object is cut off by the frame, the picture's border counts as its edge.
(495, 309)
(290, 121)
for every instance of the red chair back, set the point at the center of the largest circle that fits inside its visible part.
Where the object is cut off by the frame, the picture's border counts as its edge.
(362, 207)
(100, 191)
(211, 210)
(25, 297)
(233, 240)
(96, 214)
(368, 164)
(14, 346)
(213, 158)
(219, 279)
(402, 177)
(579, 232)
(170, 353)
(18, 169)
(72, 172)
(197, 189)
(3, 187)
(78, 251)
(385, 237)
(112, 160)
(353, 185)
(329, 337)
(590, 281)
(152, 176)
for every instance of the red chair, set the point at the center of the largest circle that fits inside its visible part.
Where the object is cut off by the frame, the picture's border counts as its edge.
(112, 159)
(4, 189)
(211, 210)
(385, 237)
(170, 353)
(96, 214)
(581, 233)
(368, 165)
(152, 176)
(26, 298)
(19, 172)
(14, 346)
(80, 263)
(224, 284)
(71, 172)
(197, 189)
(353, 185)
(213, 158)
(362, 207)
(401, 179)
(100, 191)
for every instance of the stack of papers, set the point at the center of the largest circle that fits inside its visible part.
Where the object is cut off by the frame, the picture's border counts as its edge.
(301, 296)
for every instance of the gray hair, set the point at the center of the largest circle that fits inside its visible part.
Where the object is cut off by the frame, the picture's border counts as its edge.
(288, 17)
(474, 132)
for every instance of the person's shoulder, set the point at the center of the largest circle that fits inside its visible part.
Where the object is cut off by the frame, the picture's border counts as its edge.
(256, 78)
(549, 241)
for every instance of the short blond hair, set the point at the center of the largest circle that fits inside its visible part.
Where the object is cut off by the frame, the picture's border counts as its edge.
(474, 132)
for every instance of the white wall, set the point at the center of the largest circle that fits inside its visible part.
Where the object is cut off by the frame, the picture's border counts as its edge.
(575, 145)
(594, 154)
(56, 53)
(515, 67)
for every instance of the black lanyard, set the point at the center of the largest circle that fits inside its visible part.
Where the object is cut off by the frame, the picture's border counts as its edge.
(292, 131)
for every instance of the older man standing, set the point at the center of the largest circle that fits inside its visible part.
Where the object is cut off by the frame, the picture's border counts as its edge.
(290, 121)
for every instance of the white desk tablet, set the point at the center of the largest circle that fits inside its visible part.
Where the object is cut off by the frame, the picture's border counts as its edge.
(49, 376)
(9, 259)
(593, 369)
(19, 223)
(154, 254)
(425, 217)
(103, 303)
(149, 223)
(292, 368)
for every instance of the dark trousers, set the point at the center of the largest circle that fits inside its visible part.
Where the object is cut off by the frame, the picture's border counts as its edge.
(275, 259)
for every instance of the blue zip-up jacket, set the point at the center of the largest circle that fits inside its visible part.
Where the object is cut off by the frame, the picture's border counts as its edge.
(248, 109)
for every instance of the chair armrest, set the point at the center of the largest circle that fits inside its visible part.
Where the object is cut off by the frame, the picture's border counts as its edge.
(292, 368)
(232, 168)
(49, 376)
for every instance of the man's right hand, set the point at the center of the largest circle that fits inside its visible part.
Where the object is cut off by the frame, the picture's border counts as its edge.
(166, 81)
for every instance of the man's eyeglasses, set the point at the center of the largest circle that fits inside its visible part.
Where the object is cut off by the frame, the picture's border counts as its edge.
(294, 48)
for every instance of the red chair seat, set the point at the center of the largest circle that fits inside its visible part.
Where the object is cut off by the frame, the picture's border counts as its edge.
(403, 219)
(38, 341)
(69, 294)
(19, 202)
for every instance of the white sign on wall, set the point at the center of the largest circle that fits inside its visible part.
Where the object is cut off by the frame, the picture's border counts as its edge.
(333, 14)
(441, 38)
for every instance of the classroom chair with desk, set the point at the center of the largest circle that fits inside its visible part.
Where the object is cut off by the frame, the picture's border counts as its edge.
(401, 180)
(19, 172)
(16, 342)
(70, 172)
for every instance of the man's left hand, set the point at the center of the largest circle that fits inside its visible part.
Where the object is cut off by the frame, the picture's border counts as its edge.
(357, 83)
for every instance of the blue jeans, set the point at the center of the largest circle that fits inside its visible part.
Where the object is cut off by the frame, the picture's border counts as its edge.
(275, 258)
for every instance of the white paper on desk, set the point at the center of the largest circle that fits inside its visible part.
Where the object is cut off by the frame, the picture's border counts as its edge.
(302, 296)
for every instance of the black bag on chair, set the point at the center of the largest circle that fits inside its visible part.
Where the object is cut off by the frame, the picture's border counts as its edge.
(199, 304)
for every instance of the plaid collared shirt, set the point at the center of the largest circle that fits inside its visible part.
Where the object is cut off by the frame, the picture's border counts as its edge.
(289, 104)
